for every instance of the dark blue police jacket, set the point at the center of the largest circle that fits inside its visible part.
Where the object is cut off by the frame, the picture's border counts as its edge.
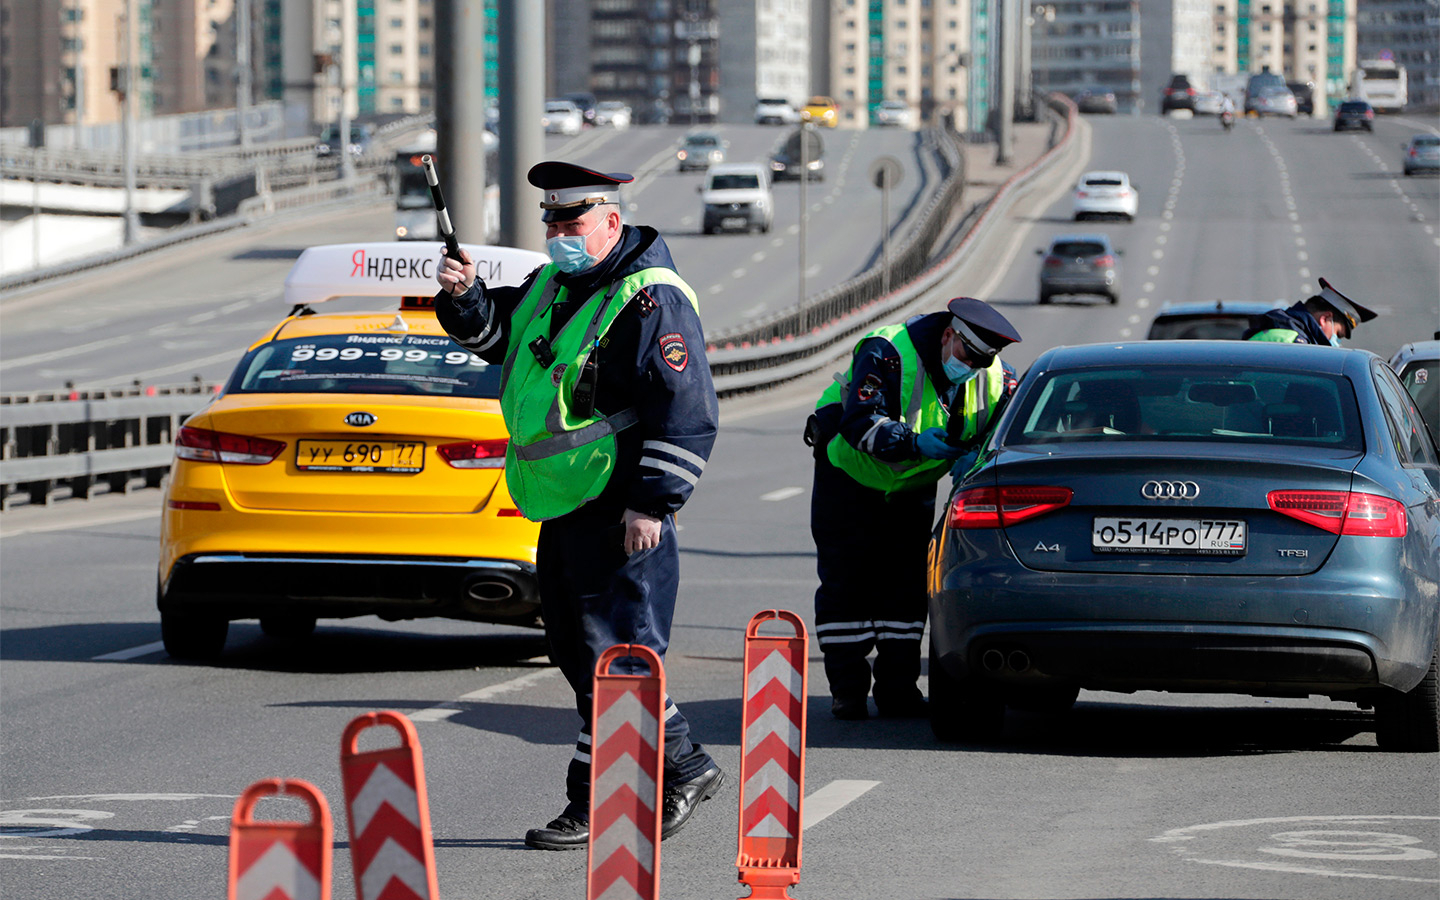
(871, 417)
(1297, 318)
(652, 359)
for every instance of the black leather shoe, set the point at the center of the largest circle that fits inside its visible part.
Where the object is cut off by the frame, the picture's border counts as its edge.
(850, 708)
(909, 706)
(565, 832)
(682, 797)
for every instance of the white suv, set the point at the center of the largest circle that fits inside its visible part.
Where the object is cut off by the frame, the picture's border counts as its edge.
(774, 111)
(737, 195)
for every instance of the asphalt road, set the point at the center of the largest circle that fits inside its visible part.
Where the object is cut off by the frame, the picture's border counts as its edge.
(120, 766)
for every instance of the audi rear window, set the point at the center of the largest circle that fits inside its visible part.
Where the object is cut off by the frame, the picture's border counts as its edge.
(422, 365)
(1204, 404)
(1077, 248)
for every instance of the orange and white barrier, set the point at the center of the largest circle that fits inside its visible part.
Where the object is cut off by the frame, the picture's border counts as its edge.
(772, 761)
(280, 860)
(391, 847)
(626, 768)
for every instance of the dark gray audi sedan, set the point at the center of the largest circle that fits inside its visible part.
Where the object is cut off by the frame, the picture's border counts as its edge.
(1194, 516)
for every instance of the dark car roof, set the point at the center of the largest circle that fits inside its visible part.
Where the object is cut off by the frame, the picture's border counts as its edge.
(1233, 307)
(1261, 354)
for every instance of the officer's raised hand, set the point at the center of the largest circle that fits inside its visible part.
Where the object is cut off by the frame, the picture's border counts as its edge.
(453, 276)
(932, 444)
(642, 532)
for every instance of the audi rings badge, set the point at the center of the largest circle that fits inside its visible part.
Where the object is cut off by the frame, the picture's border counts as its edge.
(1170, 490)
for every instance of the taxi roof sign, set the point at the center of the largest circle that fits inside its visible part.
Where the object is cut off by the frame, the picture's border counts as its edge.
(395, 269)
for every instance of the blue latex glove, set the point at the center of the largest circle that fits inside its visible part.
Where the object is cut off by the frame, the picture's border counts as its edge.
(931, 444)
(964, 464)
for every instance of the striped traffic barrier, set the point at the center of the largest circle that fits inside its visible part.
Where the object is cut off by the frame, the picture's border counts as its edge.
(280, 860)
(772, 762)
(626, 778)
(391, 847)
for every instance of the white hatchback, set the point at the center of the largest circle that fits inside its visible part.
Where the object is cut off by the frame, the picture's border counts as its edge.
(561, 117)
(1106, 195)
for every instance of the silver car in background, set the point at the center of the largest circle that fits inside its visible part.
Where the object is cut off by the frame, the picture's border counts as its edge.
(1422, 154)
(561, 117)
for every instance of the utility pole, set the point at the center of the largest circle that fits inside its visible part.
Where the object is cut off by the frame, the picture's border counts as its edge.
(522, 96)
(460, 113)
(130, 86)
(242, 71)
(1004, 107)
(347, 162)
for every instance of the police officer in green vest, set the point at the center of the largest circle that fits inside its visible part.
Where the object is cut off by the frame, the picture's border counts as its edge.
(607, 396)
(1325, 318)
(914, 404)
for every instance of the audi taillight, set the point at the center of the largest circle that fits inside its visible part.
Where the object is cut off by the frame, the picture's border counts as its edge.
(204, 445)
(1107, 261)
(1052, 262)
(475, 454)
(1001, 507)
(1343, 512)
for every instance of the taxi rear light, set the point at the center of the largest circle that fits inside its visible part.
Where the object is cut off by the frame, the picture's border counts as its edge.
(204, 445)
(991, 507)
(1343, 512)
(475, 454)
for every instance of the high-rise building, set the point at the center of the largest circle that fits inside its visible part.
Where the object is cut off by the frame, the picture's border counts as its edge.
(1095, 45)
(1176, 42)
(1409, 32)
(56, 57)
(765, 53)
(917, 51)
(1303, 40)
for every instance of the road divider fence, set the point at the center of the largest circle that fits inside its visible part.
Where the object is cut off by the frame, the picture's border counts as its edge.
(391, 846)
(278, 860)
(626, 778)
(772, 762)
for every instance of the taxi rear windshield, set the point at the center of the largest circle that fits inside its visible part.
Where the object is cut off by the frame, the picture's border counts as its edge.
(425, 365)
(1208, 405)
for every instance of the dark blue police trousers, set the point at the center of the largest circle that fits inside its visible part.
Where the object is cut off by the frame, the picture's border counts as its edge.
(593, 597)
(870, 556)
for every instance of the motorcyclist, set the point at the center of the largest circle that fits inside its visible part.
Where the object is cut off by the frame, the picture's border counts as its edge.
(1227, 111)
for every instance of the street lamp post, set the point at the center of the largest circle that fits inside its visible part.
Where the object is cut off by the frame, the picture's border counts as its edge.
(1044, 14)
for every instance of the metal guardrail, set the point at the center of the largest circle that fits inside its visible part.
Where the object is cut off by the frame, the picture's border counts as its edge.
(799, 342)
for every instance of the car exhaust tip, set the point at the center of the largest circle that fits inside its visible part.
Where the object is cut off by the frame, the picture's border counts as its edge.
(489, 590)
(1018, 660)
(993, 660)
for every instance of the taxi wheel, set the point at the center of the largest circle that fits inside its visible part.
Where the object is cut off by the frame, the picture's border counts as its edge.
(1410, 722)
(963, 711)
(191, 636)
(287, 627)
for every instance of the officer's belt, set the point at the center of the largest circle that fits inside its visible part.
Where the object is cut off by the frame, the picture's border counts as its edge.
(570, 440)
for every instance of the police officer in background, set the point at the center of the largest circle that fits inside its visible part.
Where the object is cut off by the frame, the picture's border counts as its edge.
(611, 412)
(917, 398)
(1323, 319)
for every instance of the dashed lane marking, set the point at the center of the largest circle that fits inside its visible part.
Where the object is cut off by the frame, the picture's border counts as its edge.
(130, 653)
(446, 710)
(784, 493)
(832, 798)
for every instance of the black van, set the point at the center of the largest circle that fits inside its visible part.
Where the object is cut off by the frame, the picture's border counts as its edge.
(1304, 92)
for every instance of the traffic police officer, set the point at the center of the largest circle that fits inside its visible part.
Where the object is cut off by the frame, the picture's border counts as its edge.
(607, 396)
(1323, 319)
(917, 398)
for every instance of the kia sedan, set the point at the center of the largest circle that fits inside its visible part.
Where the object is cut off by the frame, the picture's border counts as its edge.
(1194, 516)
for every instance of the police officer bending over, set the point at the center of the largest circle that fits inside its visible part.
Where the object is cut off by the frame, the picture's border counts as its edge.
(1323, 319)
(611, 411)
(917, 398)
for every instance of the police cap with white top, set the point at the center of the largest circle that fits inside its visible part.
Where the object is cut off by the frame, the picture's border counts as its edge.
(981, 326)
(1352, 312)
(571, 190)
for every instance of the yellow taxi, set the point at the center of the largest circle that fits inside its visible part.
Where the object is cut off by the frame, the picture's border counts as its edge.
(352, 465)
(822, 111)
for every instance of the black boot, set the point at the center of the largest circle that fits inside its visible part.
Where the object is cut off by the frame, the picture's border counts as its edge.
(681, 798)
(850, 708)
(568, 831)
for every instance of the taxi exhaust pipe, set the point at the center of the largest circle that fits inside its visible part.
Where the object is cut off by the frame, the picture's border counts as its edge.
(993, 660)
(489, 590)
(1018, 660)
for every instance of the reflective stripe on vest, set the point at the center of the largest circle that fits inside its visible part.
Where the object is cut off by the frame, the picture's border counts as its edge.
(922, 410)
(557, 461)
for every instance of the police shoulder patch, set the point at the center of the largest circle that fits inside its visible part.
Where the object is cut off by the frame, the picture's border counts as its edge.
(870, 387)
(674, 351)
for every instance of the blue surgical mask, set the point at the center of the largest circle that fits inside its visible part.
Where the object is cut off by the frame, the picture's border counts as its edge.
(958, 372)
(568, 252)
(1334, 340)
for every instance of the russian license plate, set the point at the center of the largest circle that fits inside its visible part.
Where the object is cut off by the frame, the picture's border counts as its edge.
(1201, 537)
(734, 221)
(359, 456)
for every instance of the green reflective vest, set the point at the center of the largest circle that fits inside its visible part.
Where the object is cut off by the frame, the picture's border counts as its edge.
(558, 460)
(1275, 336)
(922, 410)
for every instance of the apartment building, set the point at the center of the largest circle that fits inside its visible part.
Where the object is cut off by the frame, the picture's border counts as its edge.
(55, 60)
(1409, 31)
(765, 53)
(917, 51)
(1304, 40)
(1095, 45)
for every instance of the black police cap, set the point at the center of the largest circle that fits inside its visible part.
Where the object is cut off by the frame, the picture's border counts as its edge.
(1352, 312)
(571, 190)
(981, 325)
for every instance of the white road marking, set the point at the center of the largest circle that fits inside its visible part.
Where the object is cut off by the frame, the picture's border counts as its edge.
(716, 288)
(79, 351)
(757, 256)
(446, 710)
(1125, 332)
(737, 273)
(1143, 302)
(754, 311)
(784, 493)
(80, 522)
(131, 653)
(832, 798)
(1149, 286)
(813, 270)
